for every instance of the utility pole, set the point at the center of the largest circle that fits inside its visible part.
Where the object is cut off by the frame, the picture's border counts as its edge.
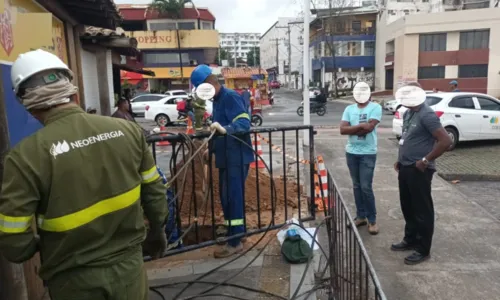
(254, 56)
(289, 57)
(305, 83)
(277, 56)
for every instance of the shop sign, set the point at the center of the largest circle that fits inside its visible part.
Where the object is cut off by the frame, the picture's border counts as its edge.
(161, 39)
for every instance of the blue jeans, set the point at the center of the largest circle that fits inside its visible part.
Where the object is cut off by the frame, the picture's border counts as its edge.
(361, 168)
(232, 190)
(191, 115)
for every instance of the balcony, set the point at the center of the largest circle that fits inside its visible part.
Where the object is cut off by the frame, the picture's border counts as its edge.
(345, 62)
(364, 34)
(167, 39)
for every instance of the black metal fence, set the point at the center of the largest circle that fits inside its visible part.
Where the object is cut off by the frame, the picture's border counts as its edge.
(352, 276)
(275, 187)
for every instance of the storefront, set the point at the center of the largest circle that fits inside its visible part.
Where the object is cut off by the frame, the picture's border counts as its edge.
(173, 78)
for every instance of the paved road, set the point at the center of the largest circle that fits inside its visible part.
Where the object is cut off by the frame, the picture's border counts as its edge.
(284, 112)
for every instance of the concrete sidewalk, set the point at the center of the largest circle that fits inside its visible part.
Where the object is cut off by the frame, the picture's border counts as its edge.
(465, 261)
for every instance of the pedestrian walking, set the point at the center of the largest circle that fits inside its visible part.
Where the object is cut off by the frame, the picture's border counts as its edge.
(232, 158)
(87, 180)
(423, 140)
(359, 122)
(454, 86)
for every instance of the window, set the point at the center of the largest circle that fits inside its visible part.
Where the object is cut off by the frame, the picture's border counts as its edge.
(179, 94)
(470, 71)
(165, 58)
(369, 48)
(355, 48)
(206, 25)
(462, 102)
(340, 27)
(432, 42)
(356, 26)
(476, 39)
(488, 104)
(432, 100)
(186, 25)
(161, 26)
(430, 72)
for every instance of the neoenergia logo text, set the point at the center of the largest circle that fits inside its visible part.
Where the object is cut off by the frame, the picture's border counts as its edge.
(62, 147)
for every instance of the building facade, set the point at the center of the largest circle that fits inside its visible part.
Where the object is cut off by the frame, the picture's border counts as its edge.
(171, 47)
(281, 52)
(343, 41)
(239, 44)
(436, 48)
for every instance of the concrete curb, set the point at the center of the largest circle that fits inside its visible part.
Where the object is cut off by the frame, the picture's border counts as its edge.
(469, 177)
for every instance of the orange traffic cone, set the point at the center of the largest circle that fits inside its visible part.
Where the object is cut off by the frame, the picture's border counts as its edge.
(190, 129)
(163, 143)
(321, 191)
(256, 144)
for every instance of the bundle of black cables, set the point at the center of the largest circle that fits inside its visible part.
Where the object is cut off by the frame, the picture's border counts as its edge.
(188, 142)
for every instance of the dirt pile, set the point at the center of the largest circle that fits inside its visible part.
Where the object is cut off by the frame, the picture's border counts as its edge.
(258, 192)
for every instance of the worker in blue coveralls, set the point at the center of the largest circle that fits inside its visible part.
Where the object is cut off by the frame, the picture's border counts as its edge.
(232, 157)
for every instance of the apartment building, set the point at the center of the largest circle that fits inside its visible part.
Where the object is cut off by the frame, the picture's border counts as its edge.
(435, 48)
(171, 47)
(281, 52)
(343, 41)
(239, 44)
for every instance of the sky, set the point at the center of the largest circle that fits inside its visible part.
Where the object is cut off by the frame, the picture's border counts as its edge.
(243, 15)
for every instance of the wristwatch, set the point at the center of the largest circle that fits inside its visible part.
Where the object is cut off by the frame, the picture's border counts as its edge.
(425, 161)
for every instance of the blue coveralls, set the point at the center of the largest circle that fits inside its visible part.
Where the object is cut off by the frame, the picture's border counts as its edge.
(229, 111)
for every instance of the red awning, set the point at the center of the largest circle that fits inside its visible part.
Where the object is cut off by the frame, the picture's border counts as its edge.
(131, 77)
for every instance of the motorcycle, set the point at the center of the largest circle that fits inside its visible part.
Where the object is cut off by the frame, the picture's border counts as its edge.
(256, 119)
(320, 110)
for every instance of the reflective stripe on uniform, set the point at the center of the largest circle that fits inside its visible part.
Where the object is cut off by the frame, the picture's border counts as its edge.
(91, 213)
(235, 222)
(242, 115)
(150, 175)
(14, 224)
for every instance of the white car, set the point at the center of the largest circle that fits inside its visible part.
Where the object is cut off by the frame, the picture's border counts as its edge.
(139, 103)
(176, 93)
(164, 112)
(465, 116)
(394, 105)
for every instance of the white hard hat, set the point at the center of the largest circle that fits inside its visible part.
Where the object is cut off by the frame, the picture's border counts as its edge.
(33, 62)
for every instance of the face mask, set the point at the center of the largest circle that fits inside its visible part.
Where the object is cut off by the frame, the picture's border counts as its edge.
(361, 92)
(205, 91)
(411, 96)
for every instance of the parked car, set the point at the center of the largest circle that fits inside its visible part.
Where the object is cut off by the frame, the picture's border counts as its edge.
(176, 93)
(465, 116)
(163, 112)
(139, 103)
(394, 105)
(274, 84)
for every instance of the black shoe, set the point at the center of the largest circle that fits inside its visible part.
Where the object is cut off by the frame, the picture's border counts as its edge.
(402, 246)
(416, 258)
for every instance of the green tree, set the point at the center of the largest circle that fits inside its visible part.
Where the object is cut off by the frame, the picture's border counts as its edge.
(172, 8)
(224, 55)
(253, 57)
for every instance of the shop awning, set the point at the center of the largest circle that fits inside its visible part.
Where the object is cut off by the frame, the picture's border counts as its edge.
(112, 39)
(146, 72)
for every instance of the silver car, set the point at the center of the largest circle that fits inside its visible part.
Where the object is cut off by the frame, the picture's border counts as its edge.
(139, 103)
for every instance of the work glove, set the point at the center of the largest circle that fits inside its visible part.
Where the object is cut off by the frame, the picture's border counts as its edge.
(218, 127)
(156, 243)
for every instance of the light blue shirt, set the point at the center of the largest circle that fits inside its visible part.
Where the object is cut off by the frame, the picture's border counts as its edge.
(354, 115)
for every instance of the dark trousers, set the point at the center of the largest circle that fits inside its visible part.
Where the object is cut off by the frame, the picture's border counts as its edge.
(417, 206)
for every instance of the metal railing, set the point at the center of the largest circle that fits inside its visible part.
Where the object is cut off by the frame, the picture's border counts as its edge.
(271, 197)
(352, 276)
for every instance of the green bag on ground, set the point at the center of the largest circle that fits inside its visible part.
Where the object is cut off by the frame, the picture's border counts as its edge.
(295, 250)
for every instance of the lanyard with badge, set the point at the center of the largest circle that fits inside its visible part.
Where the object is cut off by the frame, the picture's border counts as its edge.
(407, 121)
